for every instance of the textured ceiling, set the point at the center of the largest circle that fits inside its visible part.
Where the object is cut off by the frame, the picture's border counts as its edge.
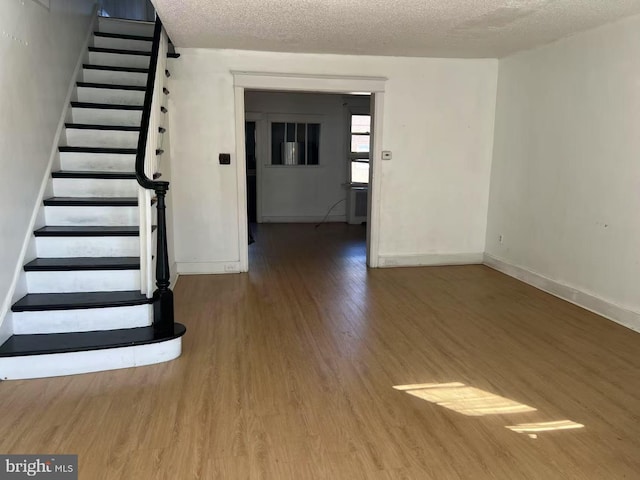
(429, 28)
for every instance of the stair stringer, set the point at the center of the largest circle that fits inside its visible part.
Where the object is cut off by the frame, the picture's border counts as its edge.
(18, 287)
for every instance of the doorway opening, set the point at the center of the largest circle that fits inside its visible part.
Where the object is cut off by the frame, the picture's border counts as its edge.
(307, 164)
(307, 155)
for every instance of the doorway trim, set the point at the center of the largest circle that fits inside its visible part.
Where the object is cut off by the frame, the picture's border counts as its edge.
(309, 83)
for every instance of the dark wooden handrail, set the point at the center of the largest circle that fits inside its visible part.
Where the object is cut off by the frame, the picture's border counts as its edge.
(141, 176)
(162, 296)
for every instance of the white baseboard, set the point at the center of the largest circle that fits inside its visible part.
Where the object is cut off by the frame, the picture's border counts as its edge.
(302, 219)
(605, 308)
(207, 268)
(14, 293)
(430, 259)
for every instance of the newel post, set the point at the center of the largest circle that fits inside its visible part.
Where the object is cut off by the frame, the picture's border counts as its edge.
(163, 296)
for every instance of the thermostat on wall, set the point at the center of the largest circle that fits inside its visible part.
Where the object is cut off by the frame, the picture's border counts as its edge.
(386, 155)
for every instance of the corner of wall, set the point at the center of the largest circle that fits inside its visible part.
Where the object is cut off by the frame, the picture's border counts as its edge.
(491, 153)
(560, 123)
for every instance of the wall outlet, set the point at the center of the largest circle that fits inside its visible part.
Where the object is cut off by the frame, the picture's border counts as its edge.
(230, 267)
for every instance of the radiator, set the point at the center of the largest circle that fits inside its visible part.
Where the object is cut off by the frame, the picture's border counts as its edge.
(358, 205)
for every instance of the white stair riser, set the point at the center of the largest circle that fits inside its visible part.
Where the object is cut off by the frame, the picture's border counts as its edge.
(81, 320)
(83, 281)
(102, 162)
(58, 364)
(101, 138)
(122, 43)
(125, 27)
(119, 60)
(114, 78)
(67, 247)
(101, 116)
(91, 216)
(110, 95)
(94, 187)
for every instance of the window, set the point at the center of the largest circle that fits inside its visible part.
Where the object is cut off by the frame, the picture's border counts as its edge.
(359, 152)
(295, 143)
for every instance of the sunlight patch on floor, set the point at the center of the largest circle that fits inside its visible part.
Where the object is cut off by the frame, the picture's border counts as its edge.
(474, 402)
(545, 426)
(464, 399)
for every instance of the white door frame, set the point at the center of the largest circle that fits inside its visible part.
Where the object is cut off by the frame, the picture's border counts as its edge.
(309, 83)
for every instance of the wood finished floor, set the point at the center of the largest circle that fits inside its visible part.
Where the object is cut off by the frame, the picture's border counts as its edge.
(288, 373)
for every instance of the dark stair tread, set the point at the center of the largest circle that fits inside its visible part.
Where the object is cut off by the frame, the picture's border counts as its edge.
(106, 106)
(124, 36)
(92, 126)
(120, 51)
(92, 201)
(87, 232)
(150, 23)
(48, 343)
(82, 263)
(94, 174)
(92, 66)
(110, 86)
(36, 302)
(121, 151)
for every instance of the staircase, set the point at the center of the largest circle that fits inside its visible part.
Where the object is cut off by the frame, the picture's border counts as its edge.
(87, 309)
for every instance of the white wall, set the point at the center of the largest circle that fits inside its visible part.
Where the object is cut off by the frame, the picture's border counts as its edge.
(565, 184)
(38, 54)
(438, 121)
(301, 193)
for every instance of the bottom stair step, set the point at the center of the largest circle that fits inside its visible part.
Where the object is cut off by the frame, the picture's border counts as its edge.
(55, 354)
(46, 343)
